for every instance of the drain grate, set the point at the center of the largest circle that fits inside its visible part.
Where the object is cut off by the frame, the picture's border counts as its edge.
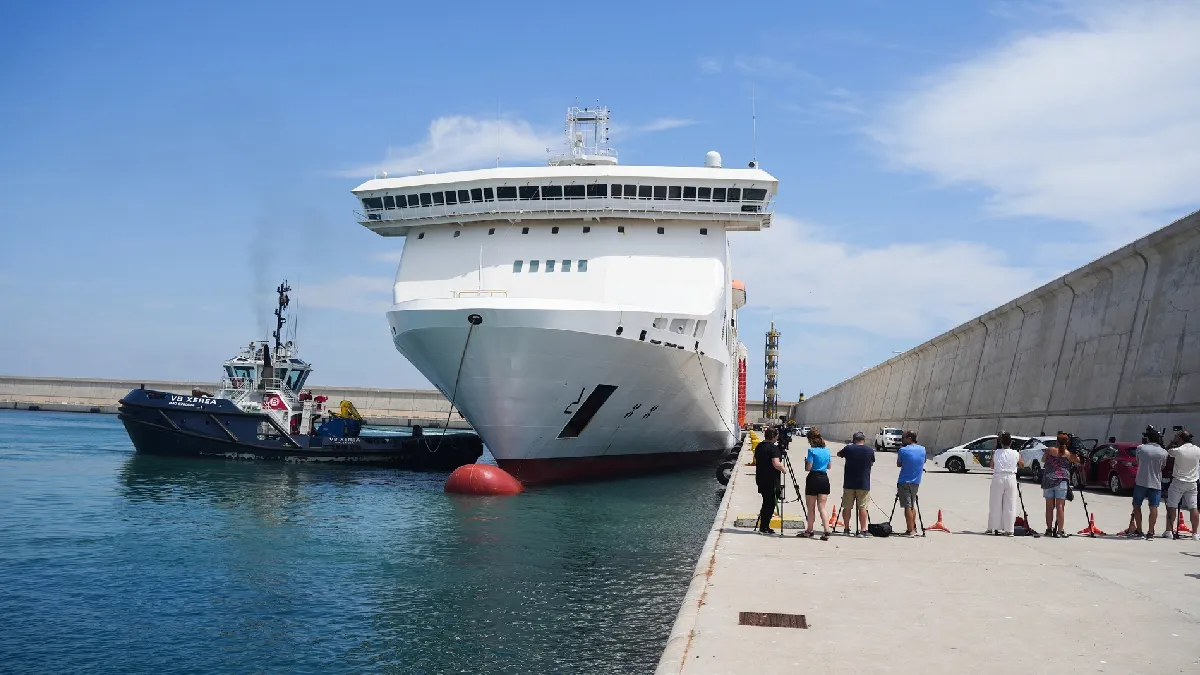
(772, 620)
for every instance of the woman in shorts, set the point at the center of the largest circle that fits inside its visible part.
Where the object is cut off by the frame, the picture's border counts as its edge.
(1057, 460)
(816, 485)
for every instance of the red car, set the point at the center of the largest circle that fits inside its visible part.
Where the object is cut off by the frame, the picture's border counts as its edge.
(1113, 465)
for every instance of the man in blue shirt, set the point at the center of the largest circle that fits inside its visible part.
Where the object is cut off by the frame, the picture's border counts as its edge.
(911, 460)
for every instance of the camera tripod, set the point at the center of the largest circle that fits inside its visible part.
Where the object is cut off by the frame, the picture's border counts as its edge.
(916, 505)
(1029, 529)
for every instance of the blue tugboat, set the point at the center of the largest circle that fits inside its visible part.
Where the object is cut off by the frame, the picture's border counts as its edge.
(262, 412)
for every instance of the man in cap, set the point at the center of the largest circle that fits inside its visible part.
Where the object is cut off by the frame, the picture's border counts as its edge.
(856, 480)
(1181, 495)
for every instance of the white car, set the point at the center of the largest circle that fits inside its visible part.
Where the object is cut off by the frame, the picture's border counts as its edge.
(1034, 448)
(888, 438)
(976, 454)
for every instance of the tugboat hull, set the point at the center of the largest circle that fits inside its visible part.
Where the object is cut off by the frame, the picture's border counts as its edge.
(161, 423)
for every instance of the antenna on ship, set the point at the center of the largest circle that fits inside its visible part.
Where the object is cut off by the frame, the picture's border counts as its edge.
(753, 130)
(280, 319)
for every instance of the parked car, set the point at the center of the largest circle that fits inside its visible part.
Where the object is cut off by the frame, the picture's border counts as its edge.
(804, 430)
(1034, 448)
(888, 438)
(1113, 465)
(976, 454)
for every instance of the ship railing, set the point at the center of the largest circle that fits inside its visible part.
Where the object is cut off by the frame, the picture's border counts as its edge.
(483, 293)
(604, 205)
(276, 384)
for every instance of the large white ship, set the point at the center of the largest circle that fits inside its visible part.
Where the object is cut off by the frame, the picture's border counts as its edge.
(581, 315)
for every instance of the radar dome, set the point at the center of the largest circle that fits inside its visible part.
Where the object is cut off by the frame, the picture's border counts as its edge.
(713, 159)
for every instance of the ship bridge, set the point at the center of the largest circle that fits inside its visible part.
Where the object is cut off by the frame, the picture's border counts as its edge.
(582, 184)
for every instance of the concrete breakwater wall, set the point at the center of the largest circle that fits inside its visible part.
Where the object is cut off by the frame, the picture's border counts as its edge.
(1102, 351)
(378, 406)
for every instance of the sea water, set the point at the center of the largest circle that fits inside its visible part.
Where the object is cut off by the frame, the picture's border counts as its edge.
(113, 562)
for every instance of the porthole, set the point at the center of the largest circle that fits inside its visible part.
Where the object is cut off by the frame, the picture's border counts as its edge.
(661, 230)
(620, 329)
(554, 230)
(704, 231)
(457, 232)
(587, 228)
(621, 229)
(421, 235)
(491, 230)
(524, 230)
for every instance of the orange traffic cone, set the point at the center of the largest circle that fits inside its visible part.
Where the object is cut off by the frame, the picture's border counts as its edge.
(1183, 527)
(835, 519)
(1092, 529)
(939, 525)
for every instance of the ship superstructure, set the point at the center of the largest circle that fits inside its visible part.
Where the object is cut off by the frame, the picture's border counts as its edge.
(581, 315)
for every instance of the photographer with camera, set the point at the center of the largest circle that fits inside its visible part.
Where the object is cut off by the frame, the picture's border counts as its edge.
(1182, 492)
(816, 485)
(1148, 484)
(768, 473)
(1002, 510)
(1056, 476)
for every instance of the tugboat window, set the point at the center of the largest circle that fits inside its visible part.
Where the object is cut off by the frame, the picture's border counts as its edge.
(477, 194)
(566, 266)
(573, 191)
(582, 266)
(533, 265)
(549, 265)
(674, 192)
(718, 194)
(530, 192)
(451, 197)
(644, 191)
(551, 192)
(487, 195)
(660, 192)
(631, 192)
(704, 194)
(464, 196)
(734, 195)
(426, 199)
(505, 193)
(689, 192)
(616, 190)
(754, 194)
(439, 198)
(517, 266)
(598, 190)
(401, 201)
(389, 202)
(414, 201)
(372, 203)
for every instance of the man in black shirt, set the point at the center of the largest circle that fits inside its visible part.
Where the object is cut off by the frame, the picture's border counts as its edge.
(768, 472)
(856, 480)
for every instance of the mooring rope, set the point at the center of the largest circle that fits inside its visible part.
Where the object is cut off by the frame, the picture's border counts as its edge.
(712, 396)
(461, 359)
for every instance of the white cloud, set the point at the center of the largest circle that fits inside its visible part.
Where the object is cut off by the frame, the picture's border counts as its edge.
(1097, 123)
(665, 124)
(710, 65)
(351, 293)
(797, 270)
(462, 142)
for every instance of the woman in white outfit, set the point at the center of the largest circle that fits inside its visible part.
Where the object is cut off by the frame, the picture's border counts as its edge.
(1002, 514)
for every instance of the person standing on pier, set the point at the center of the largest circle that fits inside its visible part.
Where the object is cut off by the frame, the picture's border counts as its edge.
(1182, 493)
(816, 485)
(1147, 486)
(911, 460)
(768, 472)
(1002, 512)
(1056, 475)
(856, 481)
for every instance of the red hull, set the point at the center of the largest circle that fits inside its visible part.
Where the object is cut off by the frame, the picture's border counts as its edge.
(572, 469)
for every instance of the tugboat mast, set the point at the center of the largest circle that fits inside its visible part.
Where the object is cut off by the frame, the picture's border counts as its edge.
(280, 319)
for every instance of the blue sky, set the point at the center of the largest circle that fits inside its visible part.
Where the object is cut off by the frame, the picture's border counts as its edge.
(162, 168)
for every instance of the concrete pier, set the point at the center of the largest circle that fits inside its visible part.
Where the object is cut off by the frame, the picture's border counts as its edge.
(945, 603)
